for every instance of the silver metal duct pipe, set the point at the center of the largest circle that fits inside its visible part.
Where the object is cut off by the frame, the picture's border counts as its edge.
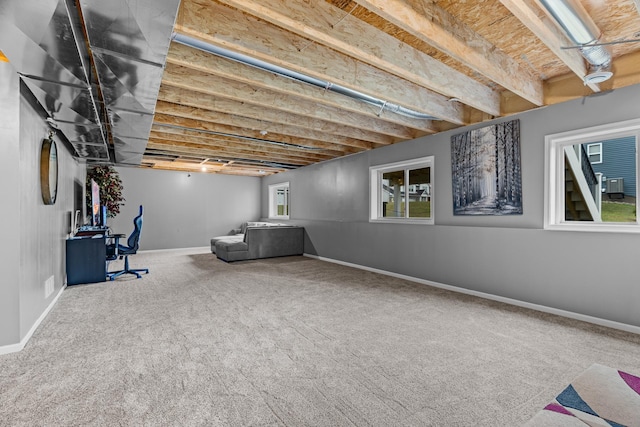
(95, 67)
(129, 40)
(294, 75)
(41, 41)
(581, 30)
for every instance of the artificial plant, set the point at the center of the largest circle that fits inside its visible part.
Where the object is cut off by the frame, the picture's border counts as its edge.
(108, 179)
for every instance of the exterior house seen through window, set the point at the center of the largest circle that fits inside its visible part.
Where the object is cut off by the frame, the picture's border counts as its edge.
(591, 178)
(402, 191)
(594, 151)
(279, 200)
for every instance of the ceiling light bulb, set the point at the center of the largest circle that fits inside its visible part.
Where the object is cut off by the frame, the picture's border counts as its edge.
(204, 169)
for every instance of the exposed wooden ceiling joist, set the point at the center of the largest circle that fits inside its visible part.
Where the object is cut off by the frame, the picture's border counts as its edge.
(186, 97)
(193, 145)
(256, 127)
(435, 26)
(158, 161)
(198, 61)
(460, 62)
(287, 103)
(333, 27)
(285, 49)
(228, 144)
(241, 132)
(549, 33)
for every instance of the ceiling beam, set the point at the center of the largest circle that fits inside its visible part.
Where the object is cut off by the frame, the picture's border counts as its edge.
(435, 26)
(193, 145)
(364, 42)
(203, 83)
(626, 71)
(193, 99)
(195, 59)
(248, 35)
(566, 87)
(536, 20)
(157, 162)
(185, 122)
(250, 124)
(223, 143)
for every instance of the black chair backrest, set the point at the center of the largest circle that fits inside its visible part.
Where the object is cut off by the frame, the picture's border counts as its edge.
(134, 237)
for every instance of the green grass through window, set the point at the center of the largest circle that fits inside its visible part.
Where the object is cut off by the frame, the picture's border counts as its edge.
(416, 210)
(618, 212)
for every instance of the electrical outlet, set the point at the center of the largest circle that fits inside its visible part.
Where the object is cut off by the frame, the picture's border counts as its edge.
(49, 286)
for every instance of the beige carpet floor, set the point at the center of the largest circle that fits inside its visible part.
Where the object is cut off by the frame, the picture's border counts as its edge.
(292, 342)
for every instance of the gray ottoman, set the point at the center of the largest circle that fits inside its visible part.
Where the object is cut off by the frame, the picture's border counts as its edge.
(228, 238)
(232, 251)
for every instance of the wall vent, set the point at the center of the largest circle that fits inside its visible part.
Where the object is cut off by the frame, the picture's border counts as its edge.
(49, 286)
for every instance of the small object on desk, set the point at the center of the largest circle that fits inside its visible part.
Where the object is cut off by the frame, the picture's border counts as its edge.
(91, 231)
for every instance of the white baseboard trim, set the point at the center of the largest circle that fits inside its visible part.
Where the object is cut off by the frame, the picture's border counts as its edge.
(569, 314)
(13, 348)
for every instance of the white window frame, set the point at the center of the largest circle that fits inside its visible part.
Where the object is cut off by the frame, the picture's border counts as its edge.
(589, 147)
(273, 202)
(554, 175)
(375, 193)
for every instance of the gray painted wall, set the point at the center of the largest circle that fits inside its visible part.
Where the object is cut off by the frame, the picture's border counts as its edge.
(182, 211)
(36, 232)
(43, 228)
(509, 256)
(10, 196)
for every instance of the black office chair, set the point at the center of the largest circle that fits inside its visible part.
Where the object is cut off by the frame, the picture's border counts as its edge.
(116, 250)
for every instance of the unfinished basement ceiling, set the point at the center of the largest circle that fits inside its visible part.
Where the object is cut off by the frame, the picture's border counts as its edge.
(459, 62)
(256, 87)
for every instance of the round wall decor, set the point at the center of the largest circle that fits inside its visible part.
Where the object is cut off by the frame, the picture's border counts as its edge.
(49, 171)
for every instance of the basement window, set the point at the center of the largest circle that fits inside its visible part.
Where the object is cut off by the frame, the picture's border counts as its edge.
(279, 201)
(591, 178)
(402, 192)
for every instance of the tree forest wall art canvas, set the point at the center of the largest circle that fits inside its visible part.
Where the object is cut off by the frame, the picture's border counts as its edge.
(486, 171)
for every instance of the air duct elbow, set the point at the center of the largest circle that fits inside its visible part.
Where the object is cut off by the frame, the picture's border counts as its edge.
(598, 56)
(581, 30)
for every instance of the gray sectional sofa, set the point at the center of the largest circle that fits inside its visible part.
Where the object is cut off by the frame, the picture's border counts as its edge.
(237, 234)
(259, 240)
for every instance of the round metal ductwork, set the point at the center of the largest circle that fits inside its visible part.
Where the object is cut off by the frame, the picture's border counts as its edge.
(582, 31)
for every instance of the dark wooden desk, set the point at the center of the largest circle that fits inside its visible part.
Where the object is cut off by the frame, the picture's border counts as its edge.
(86, 260)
